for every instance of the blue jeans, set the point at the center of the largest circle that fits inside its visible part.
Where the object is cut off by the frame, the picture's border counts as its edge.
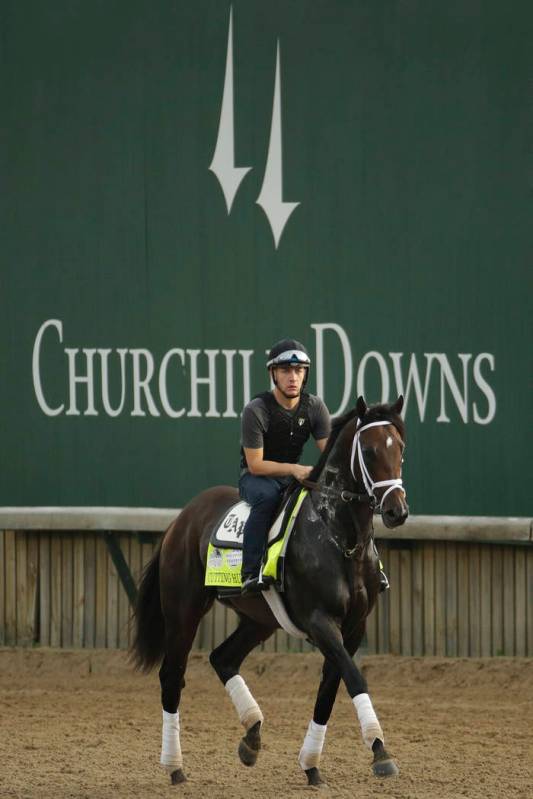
(264, 495)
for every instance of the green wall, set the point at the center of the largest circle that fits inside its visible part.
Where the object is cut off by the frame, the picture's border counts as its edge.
(403, 128)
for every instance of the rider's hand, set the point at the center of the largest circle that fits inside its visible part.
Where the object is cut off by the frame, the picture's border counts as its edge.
(301, 472)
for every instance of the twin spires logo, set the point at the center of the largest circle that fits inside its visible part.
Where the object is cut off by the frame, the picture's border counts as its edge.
(223, 165)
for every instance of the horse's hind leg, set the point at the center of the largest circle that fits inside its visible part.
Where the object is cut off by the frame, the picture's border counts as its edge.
(226, 659)
(179, 637)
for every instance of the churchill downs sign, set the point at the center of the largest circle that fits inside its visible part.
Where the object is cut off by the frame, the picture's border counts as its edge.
(196, 383)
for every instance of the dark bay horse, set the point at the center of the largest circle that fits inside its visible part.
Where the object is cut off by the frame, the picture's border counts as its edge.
(331, 585)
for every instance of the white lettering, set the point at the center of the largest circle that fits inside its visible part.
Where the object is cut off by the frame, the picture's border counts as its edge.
(347, 357)
(447, 376)
(73, 379)
(229, 413)
(36, 367)
(485, 388)
(163, 395)
(209, 381)
(384, 372)
(104, 354)
(247, 392)
(413, 378)
(472, 394)
(142, 384)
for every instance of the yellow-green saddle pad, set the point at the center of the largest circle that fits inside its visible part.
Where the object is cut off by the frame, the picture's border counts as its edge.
(224, 554)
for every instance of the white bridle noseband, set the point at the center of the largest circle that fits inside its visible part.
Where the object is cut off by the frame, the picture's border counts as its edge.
(370, 485)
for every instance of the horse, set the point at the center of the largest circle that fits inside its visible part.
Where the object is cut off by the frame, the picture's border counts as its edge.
(331, 582)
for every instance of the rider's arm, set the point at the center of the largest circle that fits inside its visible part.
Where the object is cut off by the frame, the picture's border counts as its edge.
(320, 422)
(262, 468)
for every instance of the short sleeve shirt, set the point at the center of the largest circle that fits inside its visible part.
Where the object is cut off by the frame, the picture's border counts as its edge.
(255, 418)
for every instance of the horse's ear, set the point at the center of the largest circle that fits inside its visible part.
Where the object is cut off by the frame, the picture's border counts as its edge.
(398, 405)
(360, 407)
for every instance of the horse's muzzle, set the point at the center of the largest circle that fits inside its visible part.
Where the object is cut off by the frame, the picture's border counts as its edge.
(396, 514)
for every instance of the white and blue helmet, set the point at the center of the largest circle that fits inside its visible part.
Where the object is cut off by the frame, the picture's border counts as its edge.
(288, 352)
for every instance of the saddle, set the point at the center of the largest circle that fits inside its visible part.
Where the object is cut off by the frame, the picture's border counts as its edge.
(224, 553)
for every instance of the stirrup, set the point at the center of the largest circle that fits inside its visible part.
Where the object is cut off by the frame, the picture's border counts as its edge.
(252, 585)
(383, 582)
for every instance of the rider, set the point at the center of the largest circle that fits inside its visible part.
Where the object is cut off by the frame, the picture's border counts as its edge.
(275, 426)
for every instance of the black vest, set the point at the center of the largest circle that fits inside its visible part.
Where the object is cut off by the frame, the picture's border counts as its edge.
(287, 431)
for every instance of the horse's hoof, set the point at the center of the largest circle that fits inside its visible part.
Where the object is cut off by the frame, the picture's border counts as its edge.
(314, 780)
(385, 767)
(177, 776)
(247, 755)
(250, 745)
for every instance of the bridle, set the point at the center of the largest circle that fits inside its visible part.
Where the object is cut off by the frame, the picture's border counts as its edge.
(350, 496)
(368, 482)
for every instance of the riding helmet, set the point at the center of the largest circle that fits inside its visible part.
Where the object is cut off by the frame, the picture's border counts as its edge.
(286, 352)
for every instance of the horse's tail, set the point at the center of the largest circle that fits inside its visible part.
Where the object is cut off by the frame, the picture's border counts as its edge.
(148, 644)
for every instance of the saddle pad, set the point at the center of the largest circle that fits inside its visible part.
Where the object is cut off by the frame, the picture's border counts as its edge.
(224, 553)
(229, 530)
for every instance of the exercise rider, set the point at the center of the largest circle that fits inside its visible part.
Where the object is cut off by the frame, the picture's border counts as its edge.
(275, 426)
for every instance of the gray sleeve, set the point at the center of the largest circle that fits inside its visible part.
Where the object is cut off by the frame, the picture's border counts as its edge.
(253, 425)
(319, 418)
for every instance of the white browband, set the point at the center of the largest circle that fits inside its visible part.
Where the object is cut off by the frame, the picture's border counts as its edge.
(370, 485)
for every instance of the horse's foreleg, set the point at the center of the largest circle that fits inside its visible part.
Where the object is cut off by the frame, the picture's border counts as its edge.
(311, 751)
(226, 659)
(327, 636)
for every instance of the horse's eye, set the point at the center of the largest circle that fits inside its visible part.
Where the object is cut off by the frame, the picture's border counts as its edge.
(369, 453)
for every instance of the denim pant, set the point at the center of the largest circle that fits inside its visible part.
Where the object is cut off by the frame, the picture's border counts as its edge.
(263, 494)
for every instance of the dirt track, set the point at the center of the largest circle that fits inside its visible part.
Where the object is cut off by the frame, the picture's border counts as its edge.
(83, 725)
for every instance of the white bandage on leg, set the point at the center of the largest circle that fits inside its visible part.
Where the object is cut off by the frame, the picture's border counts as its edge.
(245, 704)
(170, 747)
(370, 726)
(311, 750)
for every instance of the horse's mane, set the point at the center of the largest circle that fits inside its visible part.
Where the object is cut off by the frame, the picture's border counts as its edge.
(374, 413)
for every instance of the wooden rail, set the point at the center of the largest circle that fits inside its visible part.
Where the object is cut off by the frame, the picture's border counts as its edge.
(156, 520)
(459, 587)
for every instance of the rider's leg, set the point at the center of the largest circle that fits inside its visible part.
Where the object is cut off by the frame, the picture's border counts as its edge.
(263, 494)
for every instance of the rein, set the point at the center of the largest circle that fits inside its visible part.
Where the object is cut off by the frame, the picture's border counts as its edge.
(346, 496)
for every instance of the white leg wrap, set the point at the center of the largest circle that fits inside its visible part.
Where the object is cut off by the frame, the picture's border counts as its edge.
(312, 746)
(170, 747)
(370, 726)
(245, 705)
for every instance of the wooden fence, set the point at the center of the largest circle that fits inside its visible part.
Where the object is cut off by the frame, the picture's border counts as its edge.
(60, 588)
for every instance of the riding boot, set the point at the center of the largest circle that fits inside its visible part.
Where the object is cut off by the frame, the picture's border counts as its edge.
(251, 585)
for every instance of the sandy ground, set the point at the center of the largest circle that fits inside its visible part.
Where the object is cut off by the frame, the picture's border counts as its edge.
(81, 724)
